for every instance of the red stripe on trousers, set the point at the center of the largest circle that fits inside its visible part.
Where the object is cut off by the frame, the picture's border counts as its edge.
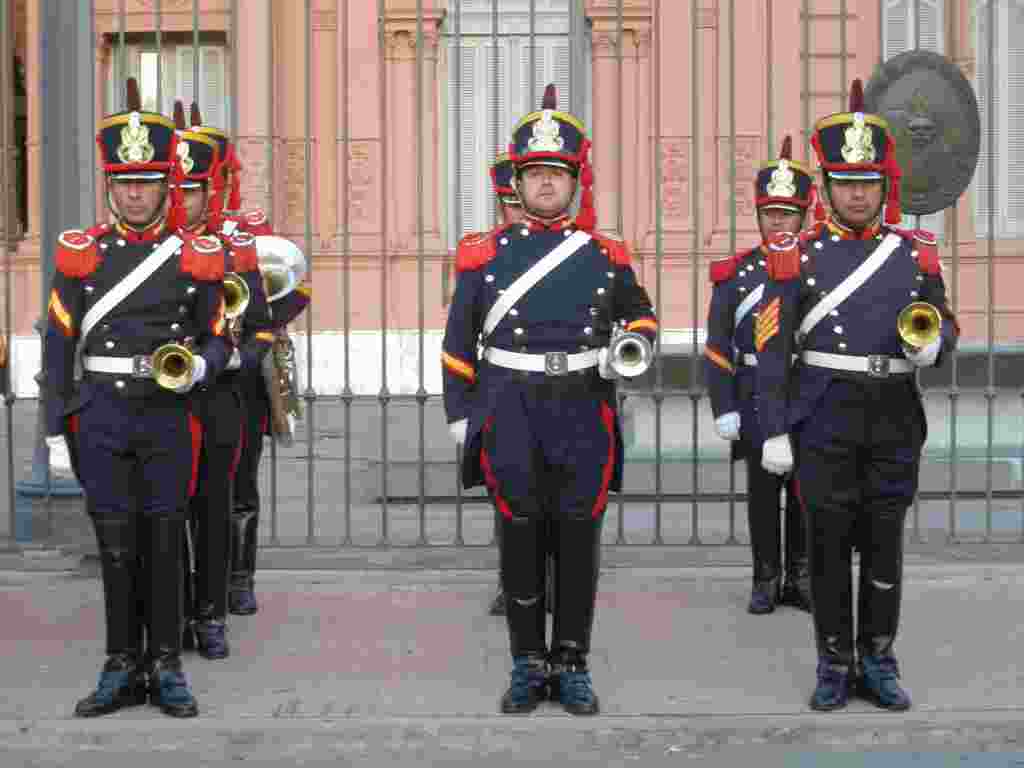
(196, 428)
(608, 419)
(490, 479)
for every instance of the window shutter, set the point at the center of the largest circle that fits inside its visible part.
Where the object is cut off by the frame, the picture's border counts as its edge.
(185, 87)
(898, 35)
(1014, 152)
(211, 82)
(989, 139)
(463, 111)
(932, 29)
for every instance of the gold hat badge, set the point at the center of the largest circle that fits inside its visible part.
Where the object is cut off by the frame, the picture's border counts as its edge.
(135, 145)
(783, 182)
(546, 135)
(185, 156)
(859, 146)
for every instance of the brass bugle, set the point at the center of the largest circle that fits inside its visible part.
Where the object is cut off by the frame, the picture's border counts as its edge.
(172, 365)
(629, 354)
(236, 295)
(918, 324)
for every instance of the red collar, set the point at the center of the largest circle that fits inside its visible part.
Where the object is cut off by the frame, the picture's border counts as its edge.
(845, 233)
(553, 225)
(146, 235)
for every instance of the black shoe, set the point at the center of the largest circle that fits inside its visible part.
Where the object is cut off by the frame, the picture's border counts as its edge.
(242, 602)
(575, 690)
(833, 688)
(498, 606)
(211, 638)
(188, 637)
(121, 684)
(879, 683)
(792, 595)
(762, 597)
(168, 688)
(528, 687)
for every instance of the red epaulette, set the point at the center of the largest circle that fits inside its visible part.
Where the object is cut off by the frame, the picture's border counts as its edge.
(926, 248)
(243, 252)
(98, 230)
(256, 222)
(721, 270)
(812, 233)
(77, 254)
(783, 257)
(203, 258)
(474, 250)
(616, 250)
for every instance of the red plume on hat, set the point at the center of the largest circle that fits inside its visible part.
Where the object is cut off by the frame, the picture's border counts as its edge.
(132, 98)
(857, 96)
(550, 100)
(786, 153)
(893, 212)
(179, 115)
(586, 217)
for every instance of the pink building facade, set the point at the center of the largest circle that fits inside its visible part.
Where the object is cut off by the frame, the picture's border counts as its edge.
(365, 135)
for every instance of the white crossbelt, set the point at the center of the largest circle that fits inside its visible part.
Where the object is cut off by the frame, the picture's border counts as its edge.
(747, 304)
(523, 361)
(103, 364)
(872, 364)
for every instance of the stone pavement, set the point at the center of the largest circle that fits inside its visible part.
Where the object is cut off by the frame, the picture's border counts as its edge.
(402, 666)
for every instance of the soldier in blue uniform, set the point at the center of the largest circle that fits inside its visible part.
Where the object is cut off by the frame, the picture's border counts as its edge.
(529, 391)
(848, 409)
(118, 294)
(284, 308)
(510, 211)
(219, 405)
(784, 190)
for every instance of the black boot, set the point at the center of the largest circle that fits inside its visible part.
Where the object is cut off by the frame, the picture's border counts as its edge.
(244, 532)
(574, 688)
(796, 590)
(168, 688)
(498, 604)
(211, 637)
(833, 687)
(528, 686)
(121, 684)
(763, 596)
(878, 675)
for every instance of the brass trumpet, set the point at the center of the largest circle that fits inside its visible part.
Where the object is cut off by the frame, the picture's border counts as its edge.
(629, 354)
(236, 300)
(918, 324)
(172, 365)
(282, 265)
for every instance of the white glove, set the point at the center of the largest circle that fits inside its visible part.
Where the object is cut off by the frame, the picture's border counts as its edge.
(926, 355)
(60, 456)
(777, 455)
(458, 430)
(235, 362)
(604, 367)
(198, 372)
(728, 426)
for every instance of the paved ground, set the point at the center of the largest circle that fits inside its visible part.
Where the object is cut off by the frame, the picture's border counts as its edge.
(396, 667)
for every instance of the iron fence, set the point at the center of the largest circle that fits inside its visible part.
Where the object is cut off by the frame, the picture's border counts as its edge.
(376, 468)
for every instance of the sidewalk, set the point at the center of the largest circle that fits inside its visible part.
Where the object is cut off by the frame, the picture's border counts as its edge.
(404, 667)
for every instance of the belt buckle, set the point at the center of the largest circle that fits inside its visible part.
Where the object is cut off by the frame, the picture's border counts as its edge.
(556, 363)
(878, 366)
(142, 367)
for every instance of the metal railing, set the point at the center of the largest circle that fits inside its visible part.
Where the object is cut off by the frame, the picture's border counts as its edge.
(376, 468)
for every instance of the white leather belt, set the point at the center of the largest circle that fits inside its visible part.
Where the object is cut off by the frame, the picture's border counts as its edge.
(137, 366)
(551, 363)
(748, 358)
(876, 366)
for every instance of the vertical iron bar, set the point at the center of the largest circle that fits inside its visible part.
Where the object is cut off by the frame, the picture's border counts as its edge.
(843, 54)
(917, 24)
(346, 257)
(695, 193)
(494, 93)
(620, 224)
(421, 392)
(731, 539)
(274, 520)
(533, 57)
(954, 390)
(805, 74)
(992, 83)
(6, 147)
(233, 90)
(310, 394)
(769, 79)
(195, 58)
(158, 18)
(384, 396)
(456, 200)
(659, 252)
(120, 94)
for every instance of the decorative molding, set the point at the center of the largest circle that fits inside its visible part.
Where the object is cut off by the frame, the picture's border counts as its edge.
(252, 153)
(675, 178)
(290, 181)
(747, 159)
(363, 196)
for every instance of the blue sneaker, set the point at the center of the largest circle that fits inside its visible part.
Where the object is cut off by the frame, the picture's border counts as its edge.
(575, 690)
(879, 683)
(528, 687)
(833, 689)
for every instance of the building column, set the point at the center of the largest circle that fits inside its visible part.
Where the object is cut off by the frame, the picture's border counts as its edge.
(404, 164)
(253, 103)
